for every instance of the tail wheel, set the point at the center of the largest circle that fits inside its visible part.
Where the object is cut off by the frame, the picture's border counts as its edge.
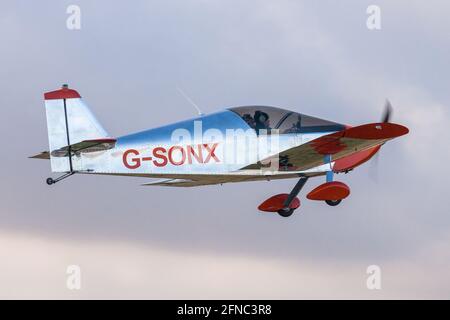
(286, 212)
(333, 203)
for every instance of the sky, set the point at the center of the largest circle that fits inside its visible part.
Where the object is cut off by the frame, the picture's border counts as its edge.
(313, 57)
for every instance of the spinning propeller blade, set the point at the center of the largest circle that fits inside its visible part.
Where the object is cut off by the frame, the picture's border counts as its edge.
(387, 112)
(386, 117)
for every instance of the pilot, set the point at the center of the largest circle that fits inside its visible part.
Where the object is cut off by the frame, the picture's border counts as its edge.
(261, 121)
(250, 121)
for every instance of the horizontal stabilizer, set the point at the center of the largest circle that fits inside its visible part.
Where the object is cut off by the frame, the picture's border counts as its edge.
(45, 155)
(85, 146)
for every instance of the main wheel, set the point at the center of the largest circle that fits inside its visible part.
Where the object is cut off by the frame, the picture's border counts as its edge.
(286, 212)
(333, 203)
(50, 181)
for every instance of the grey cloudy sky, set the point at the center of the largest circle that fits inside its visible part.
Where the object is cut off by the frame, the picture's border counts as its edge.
(315, 57)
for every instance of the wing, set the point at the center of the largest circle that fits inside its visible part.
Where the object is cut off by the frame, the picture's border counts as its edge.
(339, 144)
(195, 180)
(181, 183)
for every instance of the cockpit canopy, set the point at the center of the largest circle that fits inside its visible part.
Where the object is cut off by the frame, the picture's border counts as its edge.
(269, 118)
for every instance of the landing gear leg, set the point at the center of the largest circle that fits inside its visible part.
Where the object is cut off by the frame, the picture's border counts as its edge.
(51, 181)
(287, 211)
(329, 176)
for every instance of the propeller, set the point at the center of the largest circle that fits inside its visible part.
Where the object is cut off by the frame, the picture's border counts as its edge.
(386, 117)
(387, 112)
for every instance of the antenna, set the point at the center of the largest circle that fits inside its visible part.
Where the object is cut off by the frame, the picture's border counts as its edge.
(200, 113)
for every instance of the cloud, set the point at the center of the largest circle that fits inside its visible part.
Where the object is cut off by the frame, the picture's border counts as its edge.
(313, 57)
(35, 267)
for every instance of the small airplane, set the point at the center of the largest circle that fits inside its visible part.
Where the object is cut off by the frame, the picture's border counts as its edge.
(248, 143)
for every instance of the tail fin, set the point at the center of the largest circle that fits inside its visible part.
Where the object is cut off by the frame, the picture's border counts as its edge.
(69, 121)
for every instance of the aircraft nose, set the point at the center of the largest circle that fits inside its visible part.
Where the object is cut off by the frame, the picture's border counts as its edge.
(382, 130)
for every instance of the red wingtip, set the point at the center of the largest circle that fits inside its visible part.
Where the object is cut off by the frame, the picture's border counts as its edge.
(63, 93)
